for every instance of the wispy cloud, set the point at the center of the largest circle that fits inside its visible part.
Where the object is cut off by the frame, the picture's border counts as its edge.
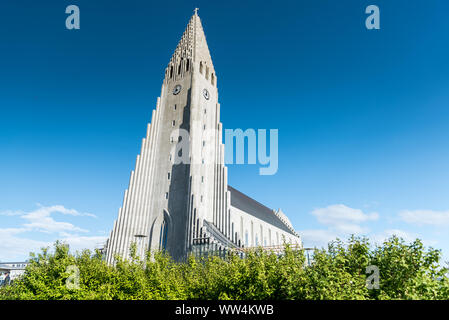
(381, 237)
(10, 213)
(13, 247)
(317, 238)
(15, 243)
(344, 219)
(425, 217)
(339, 221)
(41, 219)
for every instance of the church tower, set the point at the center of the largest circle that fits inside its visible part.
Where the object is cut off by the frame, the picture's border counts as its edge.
(178, 191)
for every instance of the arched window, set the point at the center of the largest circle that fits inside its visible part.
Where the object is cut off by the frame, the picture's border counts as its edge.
(201, 67)
(163, 236)
(246, 238)
(171, 71)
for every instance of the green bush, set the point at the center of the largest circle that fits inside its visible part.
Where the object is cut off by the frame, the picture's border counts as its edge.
(406, 271)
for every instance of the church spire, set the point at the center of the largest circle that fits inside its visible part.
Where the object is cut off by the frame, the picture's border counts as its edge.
(192, 51)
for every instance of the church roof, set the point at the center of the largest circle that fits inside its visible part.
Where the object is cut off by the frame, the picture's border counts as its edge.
(256, 209)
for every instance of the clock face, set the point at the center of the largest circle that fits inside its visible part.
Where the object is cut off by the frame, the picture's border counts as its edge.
(177, 89)
(206, 94)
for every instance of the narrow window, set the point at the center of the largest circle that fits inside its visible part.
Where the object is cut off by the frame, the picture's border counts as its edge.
(168, 176)
(187, 65)
(207, 73)
(166, 195)
(179, 68)
(163, 236)
(204, 143)
(212, 77)
(194, 219)
(171, 71)
(252, 233)
(201, 199)
(201, 67)
(202, 179)
(204, 127)
(175, 107)
(241, 227)
(173, 123)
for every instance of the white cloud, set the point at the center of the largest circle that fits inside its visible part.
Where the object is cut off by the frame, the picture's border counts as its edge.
(317, 238)
(42, 220)
(381, 237)
(425, 217)
(14, 245)
(11, 213)
(340, 221)
(49, 225)
(407, 236)
(78, 243)
(344, 219)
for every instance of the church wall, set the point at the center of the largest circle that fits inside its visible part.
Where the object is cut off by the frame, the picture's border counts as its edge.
(265, 233)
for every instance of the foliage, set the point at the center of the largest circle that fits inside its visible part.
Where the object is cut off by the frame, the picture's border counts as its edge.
(407, 271)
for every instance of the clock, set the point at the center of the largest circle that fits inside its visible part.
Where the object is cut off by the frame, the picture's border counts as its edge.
(177, 89)
(206, 94)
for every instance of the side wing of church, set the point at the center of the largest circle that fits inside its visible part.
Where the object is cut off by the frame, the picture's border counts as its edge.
(178, 198)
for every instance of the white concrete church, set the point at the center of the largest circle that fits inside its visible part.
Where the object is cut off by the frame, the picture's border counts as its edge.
(187, 206)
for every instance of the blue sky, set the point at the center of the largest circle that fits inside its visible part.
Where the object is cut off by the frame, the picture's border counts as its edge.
(362, 115)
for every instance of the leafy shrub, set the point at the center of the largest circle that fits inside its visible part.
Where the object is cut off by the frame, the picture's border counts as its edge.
(407, 271)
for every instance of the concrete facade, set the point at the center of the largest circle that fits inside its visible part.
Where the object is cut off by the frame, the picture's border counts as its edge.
(178, 194)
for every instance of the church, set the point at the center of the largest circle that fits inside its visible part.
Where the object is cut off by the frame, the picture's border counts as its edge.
(178, 199)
